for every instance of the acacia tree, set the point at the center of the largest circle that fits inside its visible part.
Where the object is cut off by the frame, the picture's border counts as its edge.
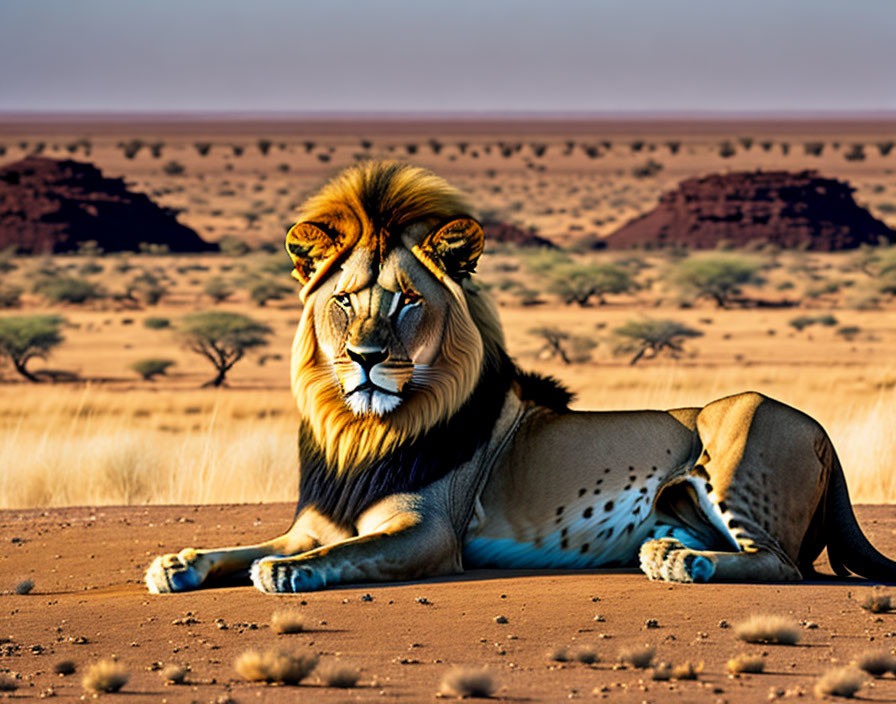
(576, 283)
(24, 337)
(559, 343)
(719, 277)
(654, 336)
(223, 338)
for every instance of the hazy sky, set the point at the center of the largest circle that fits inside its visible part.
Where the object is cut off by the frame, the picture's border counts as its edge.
(449, 55)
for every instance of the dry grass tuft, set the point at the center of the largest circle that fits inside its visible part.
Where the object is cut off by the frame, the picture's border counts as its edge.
(559, 654)
(105, 676)
(467, 682)
(287, 621)
(745, 662)
(661, 672)
(876, 601)
(64, 668)
(638, 657)
(876, 662)
(687, 671)
(275, 666)
(839, 682)
(337, 674)
(773, 630)
(587, 655)
(174, 674)
(24, 587)
(8, 684)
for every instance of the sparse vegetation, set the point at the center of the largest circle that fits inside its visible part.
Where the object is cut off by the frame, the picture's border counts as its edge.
(876, 662)
(219, 289)
(174, 674)
(275, 666)
(720, 277)
(223, 338)
(746, 663)
(463, 682)
(156, 323)
(68, 289)
(839, 682)
(337, 674)
(105, 677)
(653, 337)
(772, 630)
(287, 621)
(24, 337)
(150, 368)
(876, 601)
(640, 658)
(174, 168)
(64, 668)
(567, 347)
(24, 587)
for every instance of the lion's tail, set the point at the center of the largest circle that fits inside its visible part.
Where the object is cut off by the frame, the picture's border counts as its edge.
(848, 548)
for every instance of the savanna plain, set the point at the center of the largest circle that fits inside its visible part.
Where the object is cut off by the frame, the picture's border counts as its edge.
(101, 468)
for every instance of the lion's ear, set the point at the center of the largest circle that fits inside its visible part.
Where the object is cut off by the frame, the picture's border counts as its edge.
(455, 247)
(309, 246)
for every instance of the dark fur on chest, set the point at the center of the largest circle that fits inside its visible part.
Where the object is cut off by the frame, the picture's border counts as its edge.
(343, 497)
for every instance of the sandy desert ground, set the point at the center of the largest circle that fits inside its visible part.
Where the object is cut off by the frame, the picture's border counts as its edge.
(110, 438)
(88, 603)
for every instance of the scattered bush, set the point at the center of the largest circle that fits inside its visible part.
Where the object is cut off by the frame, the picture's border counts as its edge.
(219, 289)
(222, 338)
(876, 601)
(10, 296)
(264, 146)
(336, 674)
(156, 323)
(885, 147)
(802, 322)
(275, 666)
(719, 277)
(152, 367)
(287, 621)
(746, 663)
(813, 148)
(839, 682)
(68, 289)
(8, 684)
(649, 168)
(174, 674)
(464, 682)
(64, 668)
(775, 630)
(131, 148)
(727, 149)
(876, 662)
(856, 153)
(24, 337)
(654, 336)
(265, 291)
(576, 283)
(146, 288)
(105, 676)
(202, 148)
(559, 343)
(587, 655)
(233, 246)
(174, 168)
(24, 587)
(640, 658)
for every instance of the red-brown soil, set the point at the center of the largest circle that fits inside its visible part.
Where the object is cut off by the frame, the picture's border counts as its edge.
(774, 207)
(87, 565)
(50, 205)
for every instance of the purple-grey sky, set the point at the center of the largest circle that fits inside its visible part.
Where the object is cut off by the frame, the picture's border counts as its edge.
(451, 55)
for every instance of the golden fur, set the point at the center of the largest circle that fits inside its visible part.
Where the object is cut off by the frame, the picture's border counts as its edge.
(472, 329)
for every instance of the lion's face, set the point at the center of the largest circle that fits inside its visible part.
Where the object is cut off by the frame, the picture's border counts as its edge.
(381, 331)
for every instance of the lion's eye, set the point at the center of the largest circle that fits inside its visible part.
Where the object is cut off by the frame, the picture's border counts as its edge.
(409, 298)
(343, 300)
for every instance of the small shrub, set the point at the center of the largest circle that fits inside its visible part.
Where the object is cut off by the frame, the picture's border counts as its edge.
(174, 168)
(105, 676)
(202, 148)
(650, 168)
(587, 655)
(686, 671)
(174, 674)
(876, 601)
(66, 289)
(839, 682)
(654, 336)
(8, 684)
(640, 658)
(719, 277)
(336, 674)
(150, 368)
(155, 323)
(467, 682)
(24, 587)
(559, 654)
(287, 621)
(64, 668)
(275, 666)
(813, 148)
(856, 153)
(264, 146)
(848, 332)
(745, 662)
(219, 289)
(265, 291)
(233, 246)
(775, 630)
(876, 662)
(885, 147)
(131, 148)
(727, 149)
(661, 672)
(10, 296)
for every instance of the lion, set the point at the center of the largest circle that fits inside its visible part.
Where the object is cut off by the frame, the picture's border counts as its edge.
(425, 450)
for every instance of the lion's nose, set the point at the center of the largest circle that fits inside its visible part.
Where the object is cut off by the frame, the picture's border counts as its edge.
(367, 357)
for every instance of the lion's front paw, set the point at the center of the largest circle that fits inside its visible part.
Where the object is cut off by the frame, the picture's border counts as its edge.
(176, 572)
(666, 559)
(279, 575)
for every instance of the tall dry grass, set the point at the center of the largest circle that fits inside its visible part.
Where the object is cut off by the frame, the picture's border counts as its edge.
(90, 446)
